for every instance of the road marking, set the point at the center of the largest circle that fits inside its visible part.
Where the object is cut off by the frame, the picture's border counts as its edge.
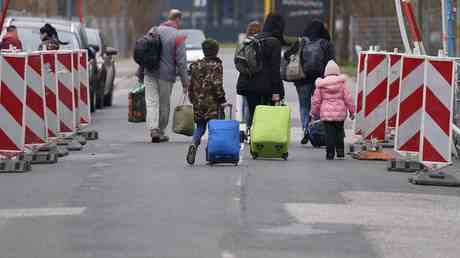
(226, 254)
(398, 224)
(295, 230)
(45, 212)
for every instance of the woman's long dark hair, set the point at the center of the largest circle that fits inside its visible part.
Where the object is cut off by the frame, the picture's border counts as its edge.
(274, 24)
(316, 30)
(51, 32)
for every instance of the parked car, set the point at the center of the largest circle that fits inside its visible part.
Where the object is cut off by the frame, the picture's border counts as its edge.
(68, 31)
(106, 67)
(193, 45)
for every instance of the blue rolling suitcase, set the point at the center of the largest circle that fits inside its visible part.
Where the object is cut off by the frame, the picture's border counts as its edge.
(223, 142)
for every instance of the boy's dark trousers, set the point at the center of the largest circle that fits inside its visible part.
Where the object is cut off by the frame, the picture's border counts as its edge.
(335, 136)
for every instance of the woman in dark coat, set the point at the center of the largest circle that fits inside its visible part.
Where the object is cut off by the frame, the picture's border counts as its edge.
(305, 88)
(266, 87)
(49, 38)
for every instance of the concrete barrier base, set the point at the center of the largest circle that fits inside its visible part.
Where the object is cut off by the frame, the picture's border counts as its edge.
(40, 157)
(14, 166)
(89, 135)
(432, 178)
(406, 166)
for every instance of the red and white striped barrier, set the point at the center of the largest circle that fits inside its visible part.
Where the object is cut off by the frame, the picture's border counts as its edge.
(436, 129)
(410, 105)
(12, 102)
(51, 90)
(375, 96)
(84, 105)
(360, 83)
(394, 78)
(76, 84)
(35, 112)
(66, 93)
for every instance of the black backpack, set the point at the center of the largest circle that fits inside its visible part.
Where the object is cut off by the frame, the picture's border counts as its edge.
(314, 58)
(248, 56)
(147, 51)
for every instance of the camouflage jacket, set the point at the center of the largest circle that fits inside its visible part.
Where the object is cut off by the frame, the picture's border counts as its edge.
(206, 90)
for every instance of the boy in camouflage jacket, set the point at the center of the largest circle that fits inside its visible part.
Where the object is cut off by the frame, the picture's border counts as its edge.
(206, 92)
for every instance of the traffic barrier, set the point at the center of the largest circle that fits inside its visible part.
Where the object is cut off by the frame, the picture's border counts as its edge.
(76, 85)
(51, 90)
(409, 117)
(84, 105)
(35, 112)
(12, 102)
(436, 129)
(375, 96)
(361, 77)
(66, 105)
(394, 78)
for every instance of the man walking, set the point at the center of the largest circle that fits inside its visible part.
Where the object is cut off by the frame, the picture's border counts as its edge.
(159, 83)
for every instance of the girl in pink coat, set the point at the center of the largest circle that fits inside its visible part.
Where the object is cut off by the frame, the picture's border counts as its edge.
(333, 101)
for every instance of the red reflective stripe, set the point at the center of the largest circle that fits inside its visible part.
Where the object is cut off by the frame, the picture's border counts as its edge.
(64, 128)
(32, 138)
(65, 60)
(392, 121)
(376, 97)
(373, 61)
(394, 90)
(51, 100)
(410, 64)
(438, 111)
(362, 59)
(430, 153)
(360, 102)
(412, 144)
(51, 61)
(18, 65)
(394, 59)
(65, 96)
(6, 143)
(50, 133)
(35, 103)
(445, 69)
(410, 105)
(11, 103)
(34, 62)
(83, 93)
(83, 120)
(378, 133)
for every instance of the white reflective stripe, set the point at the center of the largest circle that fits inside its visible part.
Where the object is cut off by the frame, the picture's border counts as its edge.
(34, 81)
(12, 79)
(412, 82)
(436, 136)
(35, 123)
(408, 129)
(438, 85)
(377, 76)
(12, 129)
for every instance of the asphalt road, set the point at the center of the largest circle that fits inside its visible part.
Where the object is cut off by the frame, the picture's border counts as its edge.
(123, 197)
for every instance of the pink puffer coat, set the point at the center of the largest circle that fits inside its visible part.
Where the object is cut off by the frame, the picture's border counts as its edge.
(332, 99)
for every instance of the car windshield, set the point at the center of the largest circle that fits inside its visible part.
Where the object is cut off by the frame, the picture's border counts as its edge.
(93, 37)
(30, 38)
(194, 39)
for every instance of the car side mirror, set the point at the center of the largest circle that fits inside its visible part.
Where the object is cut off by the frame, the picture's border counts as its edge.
(111, 51)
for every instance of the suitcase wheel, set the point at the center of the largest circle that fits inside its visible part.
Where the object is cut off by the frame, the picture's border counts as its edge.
(285, 156)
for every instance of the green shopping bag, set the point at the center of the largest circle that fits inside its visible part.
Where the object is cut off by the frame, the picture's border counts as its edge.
(136, 104)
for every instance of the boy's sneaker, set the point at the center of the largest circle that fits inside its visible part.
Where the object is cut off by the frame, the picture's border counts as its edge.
(163, 138)
(329, 156)
(155, 135)
(191, 154)
(341, 154)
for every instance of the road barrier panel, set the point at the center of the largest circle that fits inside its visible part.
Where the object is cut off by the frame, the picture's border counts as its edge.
(76, 85)
(12, 102)
(84, 96)
(35, 112)
(51, 90)
(375, 96)
(394, 79)
(361, 77)
(66, 93)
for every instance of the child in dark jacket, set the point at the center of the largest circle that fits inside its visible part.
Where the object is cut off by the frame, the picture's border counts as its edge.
(206, 92)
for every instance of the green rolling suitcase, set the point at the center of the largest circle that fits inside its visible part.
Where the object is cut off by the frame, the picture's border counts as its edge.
(271, 132)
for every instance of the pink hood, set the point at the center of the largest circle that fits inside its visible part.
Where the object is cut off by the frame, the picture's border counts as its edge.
(332, 99)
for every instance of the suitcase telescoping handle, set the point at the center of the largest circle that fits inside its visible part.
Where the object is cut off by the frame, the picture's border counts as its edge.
(226, 111)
